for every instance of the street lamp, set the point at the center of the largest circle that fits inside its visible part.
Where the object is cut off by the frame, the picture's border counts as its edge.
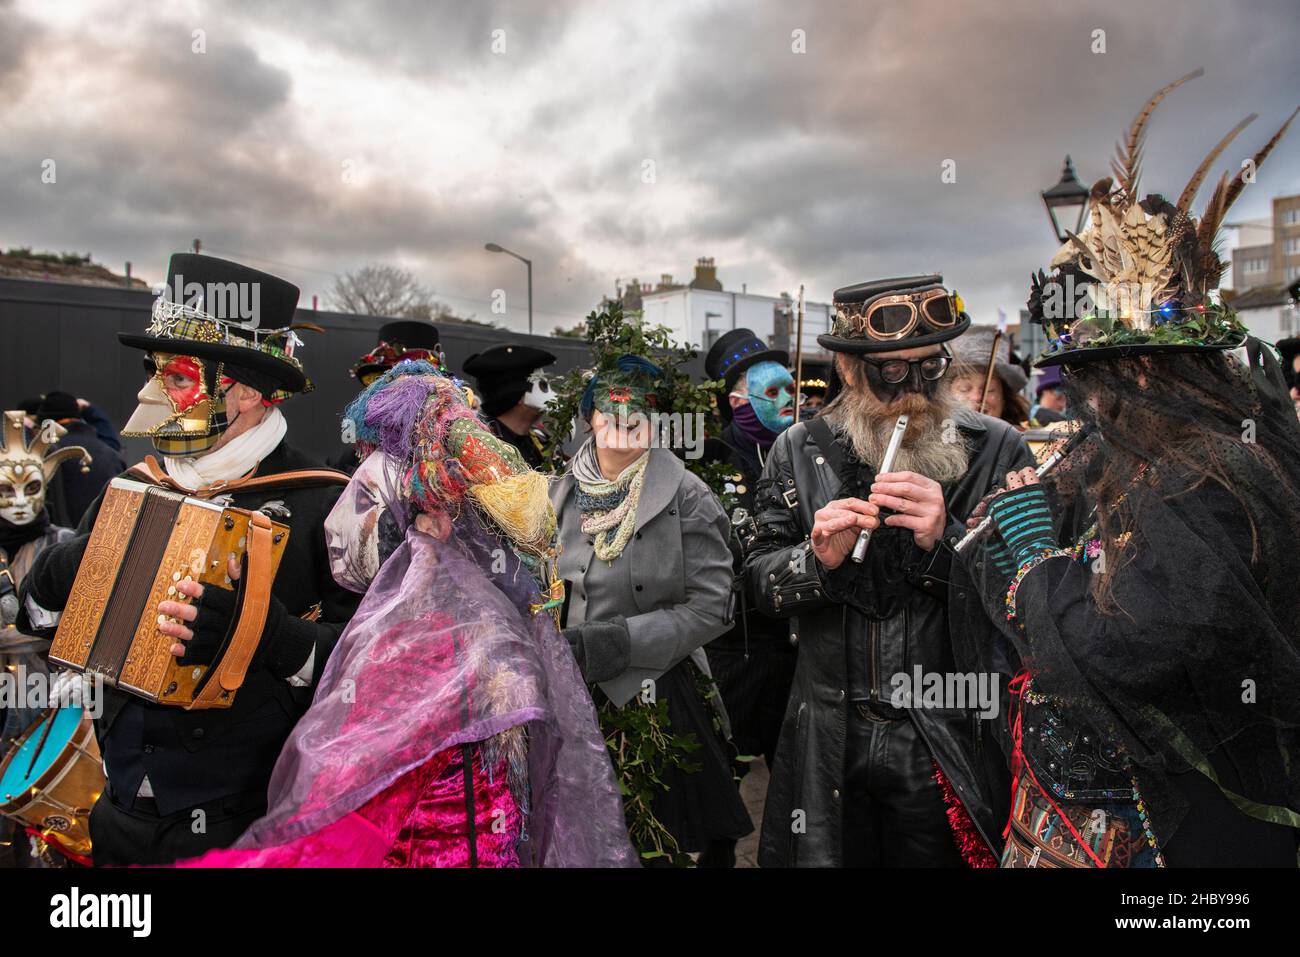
(494, 248)
(1071, 198)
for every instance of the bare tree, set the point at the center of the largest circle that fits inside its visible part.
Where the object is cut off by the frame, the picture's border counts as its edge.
(377, 290)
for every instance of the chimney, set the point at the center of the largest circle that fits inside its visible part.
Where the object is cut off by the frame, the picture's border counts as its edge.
(665, 280)
(706, 275)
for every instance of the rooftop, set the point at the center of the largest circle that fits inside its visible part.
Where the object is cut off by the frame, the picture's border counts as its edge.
(62, 267)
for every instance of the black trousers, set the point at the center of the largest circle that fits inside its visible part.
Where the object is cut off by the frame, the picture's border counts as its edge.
(754, 691)
(138, 835)
(894, 815)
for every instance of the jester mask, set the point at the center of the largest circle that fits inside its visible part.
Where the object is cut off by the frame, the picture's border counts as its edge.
(27, 467)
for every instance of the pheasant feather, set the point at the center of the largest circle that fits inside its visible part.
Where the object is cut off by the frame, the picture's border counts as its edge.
(1128, 156)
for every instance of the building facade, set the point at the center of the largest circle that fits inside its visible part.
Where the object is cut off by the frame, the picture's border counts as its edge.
(1268, 252)
(701, 311)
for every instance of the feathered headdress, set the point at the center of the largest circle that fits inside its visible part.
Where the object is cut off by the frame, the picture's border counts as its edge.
(1139, 278)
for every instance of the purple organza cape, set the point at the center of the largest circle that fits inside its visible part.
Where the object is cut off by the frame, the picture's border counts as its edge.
(442, 651)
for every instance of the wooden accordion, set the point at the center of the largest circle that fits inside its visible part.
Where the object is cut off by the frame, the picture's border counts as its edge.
(145, 540)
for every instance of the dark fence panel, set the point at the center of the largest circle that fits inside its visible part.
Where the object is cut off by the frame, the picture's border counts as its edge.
(64, 336)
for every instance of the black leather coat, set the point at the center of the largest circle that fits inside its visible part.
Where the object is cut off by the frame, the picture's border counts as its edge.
(898, 613)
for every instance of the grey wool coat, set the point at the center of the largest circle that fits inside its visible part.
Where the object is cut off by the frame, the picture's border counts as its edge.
(672, 583)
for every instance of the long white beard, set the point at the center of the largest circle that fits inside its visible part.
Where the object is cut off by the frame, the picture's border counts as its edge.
(933, 446)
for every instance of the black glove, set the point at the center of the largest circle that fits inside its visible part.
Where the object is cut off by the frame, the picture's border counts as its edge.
(286, 640)
(602, 649)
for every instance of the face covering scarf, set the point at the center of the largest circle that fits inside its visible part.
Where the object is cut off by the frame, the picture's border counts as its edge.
(233, 460)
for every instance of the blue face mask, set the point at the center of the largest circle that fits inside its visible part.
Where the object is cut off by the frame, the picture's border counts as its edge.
(771, 393)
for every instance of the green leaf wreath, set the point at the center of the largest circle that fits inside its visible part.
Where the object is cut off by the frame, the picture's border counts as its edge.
(639, 737)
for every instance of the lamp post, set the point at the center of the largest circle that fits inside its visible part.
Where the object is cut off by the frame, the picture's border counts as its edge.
(1070, 198)
(494, 248)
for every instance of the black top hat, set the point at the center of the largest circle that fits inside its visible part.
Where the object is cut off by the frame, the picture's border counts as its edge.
(735, 352)
(502, 372)
(394, 340)
(230, 313)
(889, 315)
(409, 334)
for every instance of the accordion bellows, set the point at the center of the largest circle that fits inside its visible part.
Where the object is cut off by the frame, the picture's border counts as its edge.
(147, 539)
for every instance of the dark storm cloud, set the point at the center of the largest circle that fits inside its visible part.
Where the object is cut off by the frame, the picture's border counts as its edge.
(204, 145)
(18, 35)
(439, 37)
(822, 167)
(831, 159)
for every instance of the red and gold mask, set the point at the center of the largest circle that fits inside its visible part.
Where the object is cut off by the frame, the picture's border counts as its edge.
(182, 406)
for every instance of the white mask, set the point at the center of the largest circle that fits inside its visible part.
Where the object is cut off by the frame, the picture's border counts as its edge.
(22, 493)
(539, 394)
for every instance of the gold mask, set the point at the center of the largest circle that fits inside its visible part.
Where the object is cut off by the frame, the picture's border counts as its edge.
(177, 409)
(26, 468)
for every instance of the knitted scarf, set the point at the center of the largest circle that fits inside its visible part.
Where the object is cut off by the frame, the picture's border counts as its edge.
(608, 508)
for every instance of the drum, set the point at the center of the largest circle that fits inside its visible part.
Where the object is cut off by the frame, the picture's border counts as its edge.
(51, 778)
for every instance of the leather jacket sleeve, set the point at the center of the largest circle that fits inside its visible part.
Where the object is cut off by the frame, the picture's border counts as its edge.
(781, 573)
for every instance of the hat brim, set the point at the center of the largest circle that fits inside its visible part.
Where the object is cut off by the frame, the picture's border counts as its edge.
(371, 368)
(769, 355)
(287, 377)
(863, 345)
(1073, 357)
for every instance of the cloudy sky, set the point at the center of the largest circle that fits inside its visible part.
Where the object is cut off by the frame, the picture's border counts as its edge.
(310, 138)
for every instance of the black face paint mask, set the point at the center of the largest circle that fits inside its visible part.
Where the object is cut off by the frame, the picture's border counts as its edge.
(887, 392)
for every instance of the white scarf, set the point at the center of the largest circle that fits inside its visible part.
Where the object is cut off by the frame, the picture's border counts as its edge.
(233, 460)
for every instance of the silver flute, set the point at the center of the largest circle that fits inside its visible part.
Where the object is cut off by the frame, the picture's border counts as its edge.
(886, 465)
(1049, 463)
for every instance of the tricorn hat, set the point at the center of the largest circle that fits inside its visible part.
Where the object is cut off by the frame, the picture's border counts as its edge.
(1138, 280)
(229, 313)
(735, 352)
(501, 374)
(889, 315)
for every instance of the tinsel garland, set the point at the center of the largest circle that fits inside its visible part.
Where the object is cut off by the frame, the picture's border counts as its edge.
(970, 844)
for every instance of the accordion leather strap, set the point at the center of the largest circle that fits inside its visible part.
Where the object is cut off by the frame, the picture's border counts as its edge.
(234, 663)
(150, 471)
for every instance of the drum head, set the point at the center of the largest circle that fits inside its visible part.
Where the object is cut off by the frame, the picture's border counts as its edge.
(15, 780)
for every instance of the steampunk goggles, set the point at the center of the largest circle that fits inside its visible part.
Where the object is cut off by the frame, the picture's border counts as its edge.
(895, 316)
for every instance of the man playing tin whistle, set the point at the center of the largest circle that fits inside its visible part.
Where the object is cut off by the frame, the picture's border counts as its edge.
(859, 780)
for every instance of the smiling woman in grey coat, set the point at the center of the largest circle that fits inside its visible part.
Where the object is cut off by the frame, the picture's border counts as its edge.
(648, 576)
